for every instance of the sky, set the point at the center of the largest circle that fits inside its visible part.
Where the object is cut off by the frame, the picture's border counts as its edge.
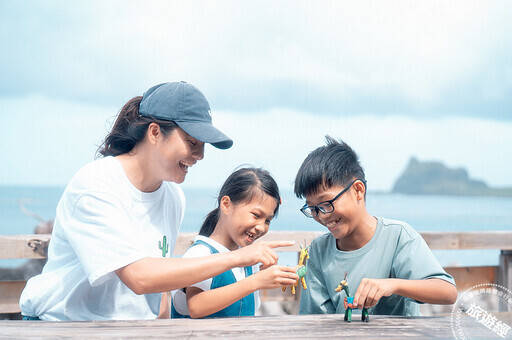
(393, 79)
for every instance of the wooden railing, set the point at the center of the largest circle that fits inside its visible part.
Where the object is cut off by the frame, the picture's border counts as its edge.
(36, 246)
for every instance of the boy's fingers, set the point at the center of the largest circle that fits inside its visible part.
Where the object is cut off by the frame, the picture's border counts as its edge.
(361, 293)
(370, 299)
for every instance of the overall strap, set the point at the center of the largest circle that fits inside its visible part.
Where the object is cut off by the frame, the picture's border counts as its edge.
(201, 242)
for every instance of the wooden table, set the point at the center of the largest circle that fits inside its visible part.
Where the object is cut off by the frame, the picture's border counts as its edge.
(263, 327)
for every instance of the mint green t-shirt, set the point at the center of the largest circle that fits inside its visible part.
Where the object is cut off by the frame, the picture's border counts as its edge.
(396, 250)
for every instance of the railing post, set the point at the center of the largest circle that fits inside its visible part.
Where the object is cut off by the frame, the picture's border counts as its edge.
(505, 271)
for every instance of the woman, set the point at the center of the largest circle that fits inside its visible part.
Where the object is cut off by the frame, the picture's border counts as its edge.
(118, 218)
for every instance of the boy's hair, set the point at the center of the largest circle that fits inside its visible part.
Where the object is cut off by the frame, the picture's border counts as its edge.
(242, 186)
(333, 164)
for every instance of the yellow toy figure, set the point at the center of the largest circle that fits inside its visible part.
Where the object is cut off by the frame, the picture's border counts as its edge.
(301, 268)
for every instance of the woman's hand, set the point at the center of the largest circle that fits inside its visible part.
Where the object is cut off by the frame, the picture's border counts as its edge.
(259, 252)
(275, 276)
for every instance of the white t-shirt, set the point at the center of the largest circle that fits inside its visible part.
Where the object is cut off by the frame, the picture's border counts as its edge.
(179, 298)
(103, 223)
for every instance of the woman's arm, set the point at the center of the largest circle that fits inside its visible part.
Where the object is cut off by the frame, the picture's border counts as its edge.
(203, 303)
(156, 275)
(433, 290)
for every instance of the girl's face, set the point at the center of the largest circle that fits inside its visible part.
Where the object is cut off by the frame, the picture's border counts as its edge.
(176, 153)
(247, 222)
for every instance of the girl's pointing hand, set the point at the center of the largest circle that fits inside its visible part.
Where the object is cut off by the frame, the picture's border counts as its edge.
(261, 252)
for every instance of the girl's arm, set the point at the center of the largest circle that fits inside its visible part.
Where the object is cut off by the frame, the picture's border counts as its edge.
(156, 275)
(433, 290)
(203, 303)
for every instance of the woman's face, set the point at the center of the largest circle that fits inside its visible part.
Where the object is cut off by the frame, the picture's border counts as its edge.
(177, 152)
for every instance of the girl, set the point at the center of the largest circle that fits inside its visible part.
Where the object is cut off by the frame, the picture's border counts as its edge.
(118, 218)
(248, 201)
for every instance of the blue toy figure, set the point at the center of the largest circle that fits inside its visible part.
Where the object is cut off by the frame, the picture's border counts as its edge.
(349, 300)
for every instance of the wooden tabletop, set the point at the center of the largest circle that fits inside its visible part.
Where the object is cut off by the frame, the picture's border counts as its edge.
(263, 327)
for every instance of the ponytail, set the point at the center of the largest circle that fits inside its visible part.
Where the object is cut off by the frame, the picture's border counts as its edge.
(210, 222)
(129, 129)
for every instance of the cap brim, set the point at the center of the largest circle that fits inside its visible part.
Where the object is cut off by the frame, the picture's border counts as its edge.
(207, 133)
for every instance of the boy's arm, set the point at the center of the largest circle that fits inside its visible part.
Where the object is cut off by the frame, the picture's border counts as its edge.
(432, 290)
(416, 275)
(203, 303)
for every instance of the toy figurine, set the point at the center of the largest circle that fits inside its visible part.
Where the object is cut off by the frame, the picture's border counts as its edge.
(301, 269)
(349, 300)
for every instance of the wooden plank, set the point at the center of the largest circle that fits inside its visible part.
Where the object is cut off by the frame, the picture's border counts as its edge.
(35, 246)
(299, 237)
(469, 240)
(24, 246)
(10, 292)
(183, 242)
(267, 327)
(505, 269)
(467, 277)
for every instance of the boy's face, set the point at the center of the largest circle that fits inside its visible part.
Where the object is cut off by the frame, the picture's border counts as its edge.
(341, 221)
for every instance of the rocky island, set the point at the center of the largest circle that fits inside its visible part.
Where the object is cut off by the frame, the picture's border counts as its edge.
(434, 178)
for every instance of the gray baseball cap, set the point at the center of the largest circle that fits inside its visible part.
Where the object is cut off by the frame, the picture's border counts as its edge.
(185, 105)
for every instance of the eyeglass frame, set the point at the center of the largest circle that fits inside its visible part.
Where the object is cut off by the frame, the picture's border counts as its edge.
(316, 208)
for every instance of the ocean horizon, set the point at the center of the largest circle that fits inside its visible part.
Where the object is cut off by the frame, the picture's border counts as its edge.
(423, 213)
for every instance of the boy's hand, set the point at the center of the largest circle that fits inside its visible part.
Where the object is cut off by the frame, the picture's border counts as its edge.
(370, 291)
(276, 276)
(260, 252)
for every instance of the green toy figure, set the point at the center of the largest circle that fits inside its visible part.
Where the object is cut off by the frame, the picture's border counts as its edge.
(349, 300)
(301, 269)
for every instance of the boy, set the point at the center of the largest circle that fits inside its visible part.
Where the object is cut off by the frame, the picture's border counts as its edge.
(389, 265)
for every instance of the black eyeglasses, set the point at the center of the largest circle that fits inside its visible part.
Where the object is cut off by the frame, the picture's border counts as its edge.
(326, 207)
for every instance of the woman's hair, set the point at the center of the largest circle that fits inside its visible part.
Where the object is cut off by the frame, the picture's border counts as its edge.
(242, 186)
(130, 128)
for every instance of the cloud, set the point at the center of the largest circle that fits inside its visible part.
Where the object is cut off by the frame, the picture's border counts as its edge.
(426, 59)
(46, 141)
(279, 140)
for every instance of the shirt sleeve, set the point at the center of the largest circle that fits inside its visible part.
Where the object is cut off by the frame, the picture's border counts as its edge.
(414, 260)
(199, 250)
(102, 236)
(315, 299)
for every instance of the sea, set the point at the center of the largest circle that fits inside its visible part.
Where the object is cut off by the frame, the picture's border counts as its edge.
(424, 213)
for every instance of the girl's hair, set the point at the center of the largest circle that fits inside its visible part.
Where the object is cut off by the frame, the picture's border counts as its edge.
(130, 128)
(242, 186)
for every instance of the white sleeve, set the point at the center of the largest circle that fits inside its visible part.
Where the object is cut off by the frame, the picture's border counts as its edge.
(102, 236)
(199, 251)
